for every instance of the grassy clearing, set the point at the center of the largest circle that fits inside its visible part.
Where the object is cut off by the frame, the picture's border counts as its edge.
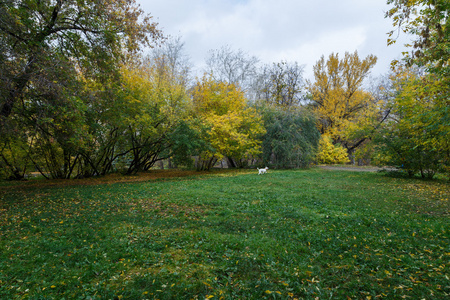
(302, 234)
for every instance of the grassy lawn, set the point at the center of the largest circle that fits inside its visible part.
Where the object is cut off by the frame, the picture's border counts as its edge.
(305, 234)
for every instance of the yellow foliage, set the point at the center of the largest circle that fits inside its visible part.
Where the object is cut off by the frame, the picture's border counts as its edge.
(218, 98)
(151, 100)
(341, 105)
(234, 128)
(331, 154)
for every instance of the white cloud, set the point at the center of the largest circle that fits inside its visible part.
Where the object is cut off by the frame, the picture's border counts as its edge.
(293, 30)
(345, 40)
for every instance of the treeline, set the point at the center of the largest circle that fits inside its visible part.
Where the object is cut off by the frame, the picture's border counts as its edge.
(79, 100)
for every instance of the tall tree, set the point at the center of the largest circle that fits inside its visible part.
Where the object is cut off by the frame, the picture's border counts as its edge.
(89, 35)
(281, 84)
(428, 21)
(411, 140)
(338, 96)
(155, 103)
(232, 66)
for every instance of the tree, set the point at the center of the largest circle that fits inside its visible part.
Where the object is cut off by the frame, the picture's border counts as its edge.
(170, 59)
(55, 58)
(48, 124)
(343, 107)
(234, 128)
(281, 84)
(232, 66)
(40, 38)
(155, 104)
(411, 140)
(189, 139)
(429, 21)
(291, 139)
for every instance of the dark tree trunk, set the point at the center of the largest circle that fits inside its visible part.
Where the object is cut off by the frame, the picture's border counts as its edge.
(231, 163)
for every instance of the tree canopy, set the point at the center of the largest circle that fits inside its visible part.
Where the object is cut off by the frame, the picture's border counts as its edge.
(428, 21)
(41, 40)
(79, 99)
(234, 129)
(338, 96)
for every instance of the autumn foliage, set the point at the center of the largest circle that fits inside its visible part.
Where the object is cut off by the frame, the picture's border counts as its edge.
(78, 99)
(234, 129)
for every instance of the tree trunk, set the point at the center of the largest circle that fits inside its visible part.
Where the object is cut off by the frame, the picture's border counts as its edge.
(231, 163)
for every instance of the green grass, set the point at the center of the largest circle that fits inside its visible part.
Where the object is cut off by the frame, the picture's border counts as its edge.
(302, 234)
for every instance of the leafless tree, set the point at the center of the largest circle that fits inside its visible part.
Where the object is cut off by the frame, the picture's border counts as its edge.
(232, 66)
(280, 83)
(170, 57)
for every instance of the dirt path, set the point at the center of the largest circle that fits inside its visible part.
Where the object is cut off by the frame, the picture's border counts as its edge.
(352, 168)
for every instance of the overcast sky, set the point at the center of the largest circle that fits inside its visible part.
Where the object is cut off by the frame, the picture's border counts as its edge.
(276, 30)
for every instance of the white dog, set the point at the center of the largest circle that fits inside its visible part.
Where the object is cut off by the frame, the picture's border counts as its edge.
(262, 171)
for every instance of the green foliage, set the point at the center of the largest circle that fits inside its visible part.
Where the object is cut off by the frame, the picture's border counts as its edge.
(51, 54)
(40, 38)
(292, 137)
(188, 140)
(154, 104)
(416, 138)
(291, 234)
(329, 153)
(427, 21)
(13, 158)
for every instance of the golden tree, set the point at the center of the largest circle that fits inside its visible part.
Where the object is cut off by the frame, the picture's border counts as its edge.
(234, 129)
(342, 105)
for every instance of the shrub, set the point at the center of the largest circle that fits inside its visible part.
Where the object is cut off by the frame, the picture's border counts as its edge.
(331, 154)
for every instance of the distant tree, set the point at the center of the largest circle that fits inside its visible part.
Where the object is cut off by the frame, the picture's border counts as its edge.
(171, 59)
(281, 84)
(232, 66)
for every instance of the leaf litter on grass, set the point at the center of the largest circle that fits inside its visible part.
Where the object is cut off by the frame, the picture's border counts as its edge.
(295, 234)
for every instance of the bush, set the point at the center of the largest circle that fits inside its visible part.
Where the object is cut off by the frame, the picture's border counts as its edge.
(402, 151)
(331, 154)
